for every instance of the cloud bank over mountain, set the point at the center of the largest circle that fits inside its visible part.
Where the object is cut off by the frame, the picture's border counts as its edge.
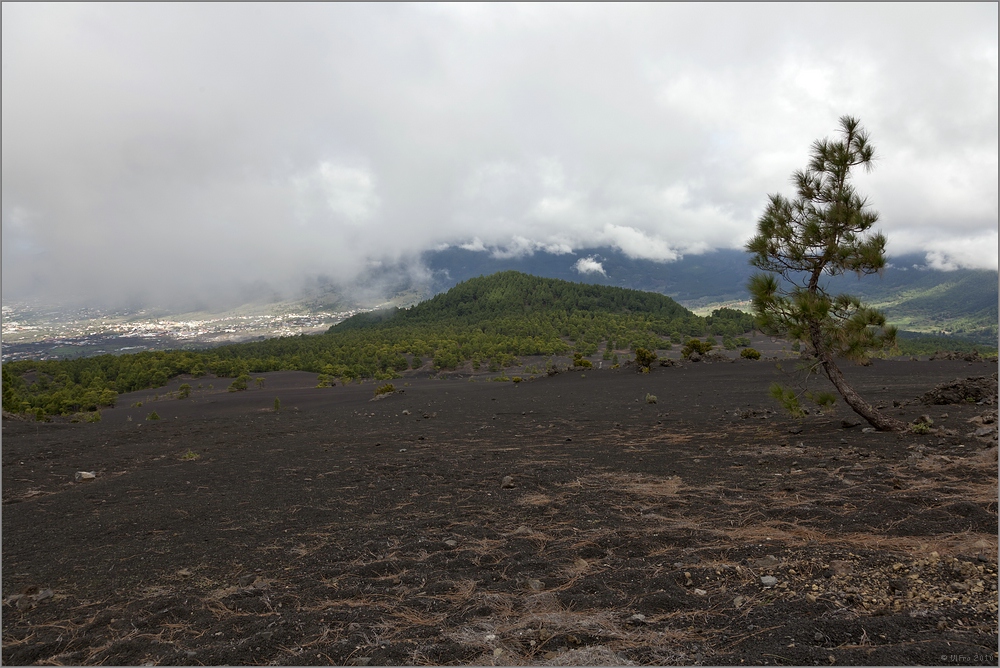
(187, 151)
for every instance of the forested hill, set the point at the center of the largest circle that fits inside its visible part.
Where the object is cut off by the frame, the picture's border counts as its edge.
(488, 322)
(514, 294)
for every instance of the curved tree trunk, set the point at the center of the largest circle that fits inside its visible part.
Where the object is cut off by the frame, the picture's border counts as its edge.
(850, 395)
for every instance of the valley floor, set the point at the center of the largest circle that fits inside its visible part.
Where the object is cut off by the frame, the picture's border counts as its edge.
(564, 520)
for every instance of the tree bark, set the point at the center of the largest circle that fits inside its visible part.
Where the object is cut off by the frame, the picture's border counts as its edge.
(850, 395)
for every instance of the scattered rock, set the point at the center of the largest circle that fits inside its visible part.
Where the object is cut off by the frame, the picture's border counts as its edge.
(451, 543)
(247, 580)
(638, 618)
(849, 423)
(768, 580)
(507, 482)
(405, 412)
(868, 430)
(795, 430)
(978, 389)
(986, 431)
(738, 602)
(82, 476)
(535, 585)
(700, 592)
(770, 561)
(841, 567)
(521, 531)
(184, 573)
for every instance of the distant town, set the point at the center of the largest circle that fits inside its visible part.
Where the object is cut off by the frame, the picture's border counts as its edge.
(33, 333)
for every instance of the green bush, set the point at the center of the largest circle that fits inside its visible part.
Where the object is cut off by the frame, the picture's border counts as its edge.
(240, 383)
(94, 417)
(277, 404)
(388, 388)
(650, 398)
(788, 399)
(696, 346)
(750, 354)
(644, 358)
(153, 416)
(184, 391)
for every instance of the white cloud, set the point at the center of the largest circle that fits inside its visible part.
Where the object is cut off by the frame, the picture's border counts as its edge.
(346, 192)
(277, 144)
(589, 265)
(978, 253)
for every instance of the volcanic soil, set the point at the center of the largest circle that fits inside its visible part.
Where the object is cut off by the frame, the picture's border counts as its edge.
(563, 520)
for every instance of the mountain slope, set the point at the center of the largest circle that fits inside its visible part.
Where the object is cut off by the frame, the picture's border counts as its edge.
(914, 296)
(515, 294)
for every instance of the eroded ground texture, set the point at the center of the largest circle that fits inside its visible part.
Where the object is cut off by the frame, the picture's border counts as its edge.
(702, 528)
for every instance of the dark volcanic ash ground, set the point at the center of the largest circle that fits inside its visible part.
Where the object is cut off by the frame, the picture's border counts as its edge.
(565, 520)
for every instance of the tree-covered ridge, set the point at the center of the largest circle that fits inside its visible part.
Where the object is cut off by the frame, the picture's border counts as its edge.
(488, 321)
(512, 293)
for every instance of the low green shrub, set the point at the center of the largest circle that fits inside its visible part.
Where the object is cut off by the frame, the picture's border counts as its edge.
(750, 354)
(240, 383)
(696, 346)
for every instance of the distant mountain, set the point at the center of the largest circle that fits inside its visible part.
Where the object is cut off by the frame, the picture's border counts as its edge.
(717, 276)
(913, 295)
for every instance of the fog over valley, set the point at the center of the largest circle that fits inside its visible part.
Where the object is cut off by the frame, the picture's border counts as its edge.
(194, 158)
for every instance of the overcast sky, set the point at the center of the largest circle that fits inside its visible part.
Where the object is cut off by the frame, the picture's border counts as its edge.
(191, 149)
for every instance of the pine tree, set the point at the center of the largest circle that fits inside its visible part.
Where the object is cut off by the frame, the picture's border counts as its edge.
(824, 231)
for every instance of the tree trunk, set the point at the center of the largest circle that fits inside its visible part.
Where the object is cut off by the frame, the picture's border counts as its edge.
(850, 395)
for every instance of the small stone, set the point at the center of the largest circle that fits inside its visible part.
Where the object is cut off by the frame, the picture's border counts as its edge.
(766, 562)
(738, 602)
(184, 573)
(768, 580)
(849, 423)
(535, 585)
(959, 587)
(247, 580)
(868, 430)
(81, 476)
(795, 430)
(361, 661)
(507, 482)
(637, 617)
(451, 543)
(406, 412)
(841, 567)
(818, 637)
(700, 592)
(521, 531)
(402, 449)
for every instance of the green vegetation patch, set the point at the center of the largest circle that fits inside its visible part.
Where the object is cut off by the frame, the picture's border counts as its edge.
(488, 321)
